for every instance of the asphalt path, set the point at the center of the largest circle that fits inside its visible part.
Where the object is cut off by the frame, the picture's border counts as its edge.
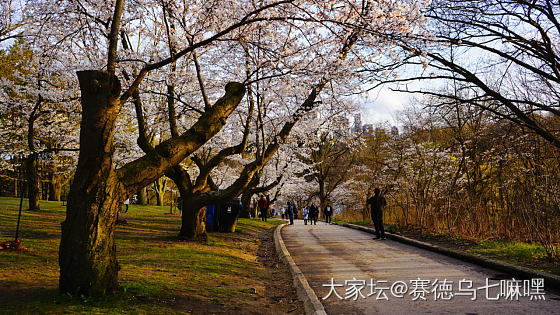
(388, 277)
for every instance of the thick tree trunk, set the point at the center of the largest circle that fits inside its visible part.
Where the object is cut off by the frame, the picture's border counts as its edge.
(87, 257)
(193, 218)
(33, 188)
(44, 190)
(55, 188)
(245, 205)
(193, 211)
(142, 197)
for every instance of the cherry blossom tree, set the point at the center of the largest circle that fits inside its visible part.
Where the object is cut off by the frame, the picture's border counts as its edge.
(319, 43)
(38, 108)
(502, 56)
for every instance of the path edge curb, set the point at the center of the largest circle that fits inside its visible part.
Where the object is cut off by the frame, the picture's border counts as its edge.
(522, 272)
(310, 300)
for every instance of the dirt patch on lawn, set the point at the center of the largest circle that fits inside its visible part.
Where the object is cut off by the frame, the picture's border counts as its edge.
(271, 292)
(279, 292)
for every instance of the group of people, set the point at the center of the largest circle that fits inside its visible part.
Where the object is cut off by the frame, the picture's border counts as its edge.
(376, 203)
(311, 212)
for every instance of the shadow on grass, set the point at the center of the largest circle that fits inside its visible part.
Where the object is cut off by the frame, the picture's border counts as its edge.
(134, 300)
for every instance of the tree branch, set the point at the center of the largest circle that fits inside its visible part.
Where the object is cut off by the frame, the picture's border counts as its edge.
(141, 172)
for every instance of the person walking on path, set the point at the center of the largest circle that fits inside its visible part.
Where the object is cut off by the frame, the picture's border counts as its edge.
(263, 207)
(376, 204)
(328, 213)
(126, 203)
(313, 213)
(291, 210)
(305, 215)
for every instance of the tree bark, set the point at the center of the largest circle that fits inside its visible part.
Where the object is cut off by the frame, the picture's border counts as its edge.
(87, 256)
(44, 186)
(322, 198)
(159, 188)
(193, 212)
(193, 218)
(55, 188)
(33, 188)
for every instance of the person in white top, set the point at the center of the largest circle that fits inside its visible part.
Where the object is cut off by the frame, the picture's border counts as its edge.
(305, 215)
(126, 202)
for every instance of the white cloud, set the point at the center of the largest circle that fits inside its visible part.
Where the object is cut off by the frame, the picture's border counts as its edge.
(382, 104)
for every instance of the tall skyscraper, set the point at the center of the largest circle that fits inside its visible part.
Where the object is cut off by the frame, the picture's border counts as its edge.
(357, 127)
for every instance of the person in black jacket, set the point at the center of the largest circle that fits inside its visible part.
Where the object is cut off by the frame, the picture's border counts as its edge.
(328, 213)
(376, 204)
(291, 210)
(313, 214)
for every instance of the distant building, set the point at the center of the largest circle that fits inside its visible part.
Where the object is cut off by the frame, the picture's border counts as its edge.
(367, 130)
(357, 126)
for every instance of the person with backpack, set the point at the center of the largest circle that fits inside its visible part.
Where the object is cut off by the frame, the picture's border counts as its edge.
(328, 213)
(376, 204)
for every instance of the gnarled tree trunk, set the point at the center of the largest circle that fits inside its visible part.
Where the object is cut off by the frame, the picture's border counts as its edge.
(193, 218)
(87, 257)
(159, 188)
(193, 211)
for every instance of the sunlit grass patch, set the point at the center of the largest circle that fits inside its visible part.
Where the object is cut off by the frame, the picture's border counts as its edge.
(156, 268)
(510, 250)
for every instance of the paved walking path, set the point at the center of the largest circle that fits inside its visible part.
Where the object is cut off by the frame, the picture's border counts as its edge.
(325, 251)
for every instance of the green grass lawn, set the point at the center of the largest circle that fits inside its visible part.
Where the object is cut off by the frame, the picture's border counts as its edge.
(158, 273)
(518, 253)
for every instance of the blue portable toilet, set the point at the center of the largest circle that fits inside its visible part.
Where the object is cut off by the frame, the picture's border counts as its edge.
(210, 217)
